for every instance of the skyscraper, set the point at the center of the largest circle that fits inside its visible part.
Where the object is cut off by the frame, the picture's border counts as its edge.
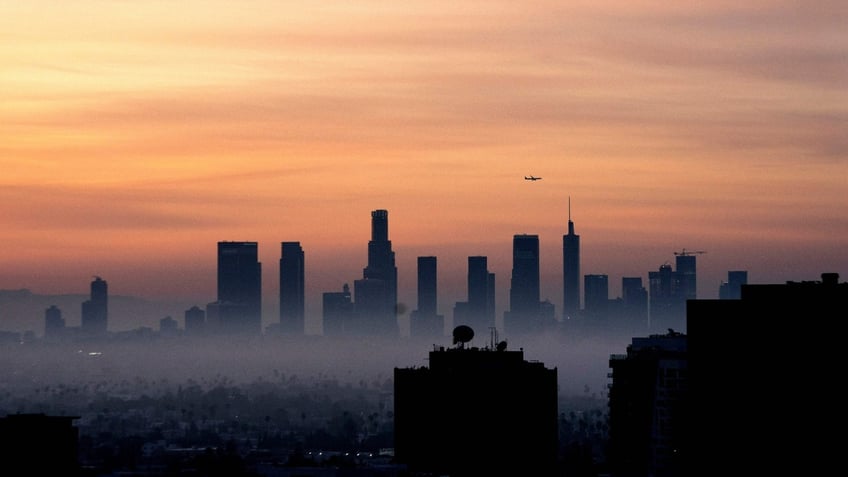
(425, 321)
(686, 275)
(635, 304)
(292, 288)
(336, 312)
(732, 288)
(666, 309)
(596, 288)
(54, 324)
(670, 289)
(570, 271)
(95, 311)
(479, 313)
(239, 305)
(524, 292)
(375, 295)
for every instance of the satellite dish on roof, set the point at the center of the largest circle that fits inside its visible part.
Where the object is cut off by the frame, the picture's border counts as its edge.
(462, 334)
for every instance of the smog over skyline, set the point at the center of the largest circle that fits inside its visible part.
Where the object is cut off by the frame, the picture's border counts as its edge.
(290, 238)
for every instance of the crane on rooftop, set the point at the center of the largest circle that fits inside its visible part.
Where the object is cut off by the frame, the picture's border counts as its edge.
(685, 252)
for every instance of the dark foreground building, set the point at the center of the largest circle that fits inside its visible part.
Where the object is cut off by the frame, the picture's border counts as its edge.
(647, 407)
(762, 371)
(476, 411)
(37, 444)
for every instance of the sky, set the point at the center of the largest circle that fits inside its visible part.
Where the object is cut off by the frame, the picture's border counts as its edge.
(136, 135)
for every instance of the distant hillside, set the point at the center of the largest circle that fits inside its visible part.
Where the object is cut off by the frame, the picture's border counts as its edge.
(21, 310)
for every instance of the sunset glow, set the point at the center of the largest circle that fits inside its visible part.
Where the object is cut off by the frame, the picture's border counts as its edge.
(136, 135)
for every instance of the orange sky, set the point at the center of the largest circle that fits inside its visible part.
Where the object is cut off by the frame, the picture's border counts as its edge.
(136, 135)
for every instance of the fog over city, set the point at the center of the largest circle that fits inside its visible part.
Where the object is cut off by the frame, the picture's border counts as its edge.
(582, 364)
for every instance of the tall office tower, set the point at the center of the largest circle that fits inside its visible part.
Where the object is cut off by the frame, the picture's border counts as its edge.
(686, 276)
(425, 321)
(292, 289)
(524, 292)
(239, 288)
(337, 312)
(499, 410)
(669, 290)
(195, 321)
(661, 302)
(95, 311)
(647, 407)
(776, 344)
(481, 312)
(634, 299)
(375, 295)
(570, 271)
(54, 324)
(478, 311)
(732, 288)
(596, 299)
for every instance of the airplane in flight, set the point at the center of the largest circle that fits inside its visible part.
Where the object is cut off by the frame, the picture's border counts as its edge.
(532, 178)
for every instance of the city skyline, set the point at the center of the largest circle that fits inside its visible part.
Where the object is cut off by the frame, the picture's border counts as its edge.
(133, 141)
(240, 294)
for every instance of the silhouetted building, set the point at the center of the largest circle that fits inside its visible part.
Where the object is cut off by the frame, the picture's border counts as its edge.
(195, 321)
(570, 271)
(687, 281)
(95, 311)
(168, 326)
(337, 311)
(596, 291)
(732, 288)
(425, 321)
(54, 324)
(38, 444)
(759, 369)
(239, 305)
(479, 311)
(476, 411)
(634, 298)
(375, 295)
(292, 289)
(647, 413)
(524, 292)
(667, 305)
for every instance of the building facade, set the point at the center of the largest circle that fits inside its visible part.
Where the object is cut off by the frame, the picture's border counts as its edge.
(337, 312)
(759, 369)
(425, 320)
(375, 295)
(239, 306)
(647, 407)
(95, 310)
(523, 316)
(570, 271)
(292, 288)
(476, 411)
(478, 311)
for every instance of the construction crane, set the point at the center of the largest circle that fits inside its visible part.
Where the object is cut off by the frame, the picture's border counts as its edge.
(689, 252)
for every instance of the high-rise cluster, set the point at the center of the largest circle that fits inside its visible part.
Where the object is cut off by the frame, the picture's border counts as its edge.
(370, 306)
